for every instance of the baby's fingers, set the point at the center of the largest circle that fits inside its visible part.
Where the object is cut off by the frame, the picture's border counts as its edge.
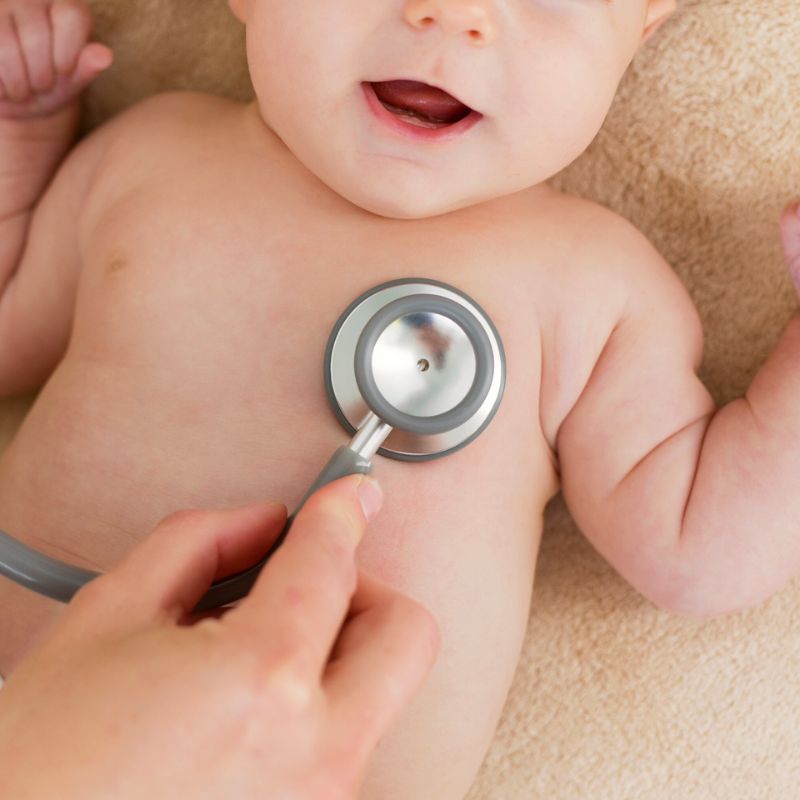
(33, 30)
(12, 68)
(93, 59)
(72, 24)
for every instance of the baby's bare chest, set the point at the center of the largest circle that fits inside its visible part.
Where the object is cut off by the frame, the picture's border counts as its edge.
(195, 372)
(247, 281)
(237, 289)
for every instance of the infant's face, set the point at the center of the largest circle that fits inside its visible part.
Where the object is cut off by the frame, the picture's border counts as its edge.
(542, 73)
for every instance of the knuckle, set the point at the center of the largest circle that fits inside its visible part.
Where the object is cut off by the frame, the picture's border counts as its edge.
(338, 518)
(334, 509)
(279, 679)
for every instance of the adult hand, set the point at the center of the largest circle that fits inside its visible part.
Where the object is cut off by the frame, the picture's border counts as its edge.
(284, 696)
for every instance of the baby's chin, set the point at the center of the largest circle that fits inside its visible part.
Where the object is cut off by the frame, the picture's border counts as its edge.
(409, 205)
(408, 209)
(412, 192)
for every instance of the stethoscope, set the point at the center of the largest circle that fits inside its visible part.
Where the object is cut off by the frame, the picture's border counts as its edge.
(414, 370)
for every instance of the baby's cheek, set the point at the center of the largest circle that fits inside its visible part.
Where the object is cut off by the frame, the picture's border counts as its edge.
(563, 112)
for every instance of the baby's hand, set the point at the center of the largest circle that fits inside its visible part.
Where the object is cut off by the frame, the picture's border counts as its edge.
(790, 239)
(45, 60)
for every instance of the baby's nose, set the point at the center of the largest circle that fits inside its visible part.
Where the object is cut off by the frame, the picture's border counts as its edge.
(473, 17)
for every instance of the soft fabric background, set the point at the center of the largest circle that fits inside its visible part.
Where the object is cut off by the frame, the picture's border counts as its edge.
(614, 699)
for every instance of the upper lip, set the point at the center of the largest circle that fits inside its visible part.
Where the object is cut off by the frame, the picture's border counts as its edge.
(430, 83)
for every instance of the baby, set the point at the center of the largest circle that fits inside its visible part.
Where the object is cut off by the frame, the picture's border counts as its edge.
(173, 281)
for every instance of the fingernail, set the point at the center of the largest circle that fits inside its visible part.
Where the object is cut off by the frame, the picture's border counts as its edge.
(371, 496)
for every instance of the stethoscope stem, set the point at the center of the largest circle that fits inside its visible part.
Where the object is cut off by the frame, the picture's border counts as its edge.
(370, 436)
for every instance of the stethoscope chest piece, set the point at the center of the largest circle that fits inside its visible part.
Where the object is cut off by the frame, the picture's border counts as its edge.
(424, 358)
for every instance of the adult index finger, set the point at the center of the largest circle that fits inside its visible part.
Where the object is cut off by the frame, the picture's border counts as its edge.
(296, 607)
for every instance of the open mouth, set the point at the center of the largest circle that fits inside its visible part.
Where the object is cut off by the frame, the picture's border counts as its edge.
(419, 104)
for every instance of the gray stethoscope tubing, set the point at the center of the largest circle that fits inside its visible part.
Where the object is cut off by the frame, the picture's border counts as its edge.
(426, 362)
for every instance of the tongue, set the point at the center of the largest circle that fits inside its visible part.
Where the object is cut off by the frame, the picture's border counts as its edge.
(422, 99)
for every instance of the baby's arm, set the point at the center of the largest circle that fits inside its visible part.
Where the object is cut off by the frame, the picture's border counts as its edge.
(698, 508)
(44, 64)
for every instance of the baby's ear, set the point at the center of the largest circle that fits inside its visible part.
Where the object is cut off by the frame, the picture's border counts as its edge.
(658, 12)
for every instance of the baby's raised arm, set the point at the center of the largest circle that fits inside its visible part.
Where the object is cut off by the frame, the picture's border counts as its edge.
(45, 62)
(698, 508)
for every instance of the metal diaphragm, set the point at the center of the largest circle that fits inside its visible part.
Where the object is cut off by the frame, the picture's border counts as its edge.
(423, 357)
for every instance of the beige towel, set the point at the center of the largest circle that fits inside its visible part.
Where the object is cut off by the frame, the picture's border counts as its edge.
(614, 699)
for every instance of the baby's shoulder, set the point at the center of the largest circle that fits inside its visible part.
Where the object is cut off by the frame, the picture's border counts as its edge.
(603, 246)
(606, 256)
(164, 123)
(171, 110)
(151, 138)
(580, 261)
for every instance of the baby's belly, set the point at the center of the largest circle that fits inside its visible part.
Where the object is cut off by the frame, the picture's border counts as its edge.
(108, 450)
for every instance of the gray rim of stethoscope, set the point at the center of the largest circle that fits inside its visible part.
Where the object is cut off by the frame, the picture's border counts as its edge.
(59, 580)
(472, 308)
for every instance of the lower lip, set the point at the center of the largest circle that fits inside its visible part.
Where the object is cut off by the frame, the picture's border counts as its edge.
(415, 132)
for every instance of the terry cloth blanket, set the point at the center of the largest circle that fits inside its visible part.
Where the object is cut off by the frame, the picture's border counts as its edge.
(613, 698)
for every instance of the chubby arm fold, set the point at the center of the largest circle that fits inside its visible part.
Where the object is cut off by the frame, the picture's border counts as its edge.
(35, 311)
(698, 508)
